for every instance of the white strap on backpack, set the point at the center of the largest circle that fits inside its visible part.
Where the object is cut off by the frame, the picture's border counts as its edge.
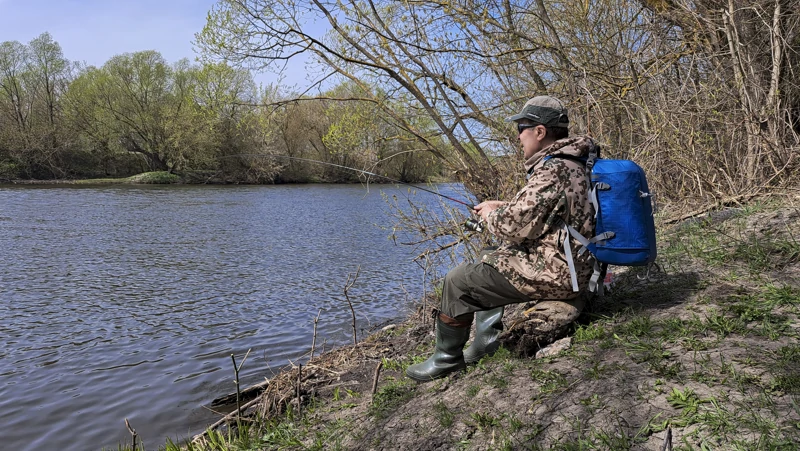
(570, 231)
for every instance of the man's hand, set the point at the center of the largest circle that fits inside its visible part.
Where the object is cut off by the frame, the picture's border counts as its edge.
(484, 208)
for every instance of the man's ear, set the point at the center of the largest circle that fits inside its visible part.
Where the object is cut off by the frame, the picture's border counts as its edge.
(541, 132)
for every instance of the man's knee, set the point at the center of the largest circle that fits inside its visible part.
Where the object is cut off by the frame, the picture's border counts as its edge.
(456, 277)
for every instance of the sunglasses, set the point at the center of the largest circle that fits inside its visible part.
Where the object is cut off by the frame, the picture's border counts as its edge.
(522, 127)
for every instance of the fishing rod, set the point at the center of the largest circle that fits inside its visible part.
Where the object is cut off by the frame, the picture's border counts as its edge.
(471, 224)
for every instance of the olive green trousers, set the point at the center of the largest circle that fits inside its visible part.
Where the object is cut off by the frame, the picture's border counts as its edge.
(472, 287)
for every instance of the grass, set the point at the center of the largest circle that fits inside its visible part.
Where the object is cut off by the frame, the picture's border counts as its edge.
(590, 332)
(718, 245)
(443, 414)
(146, 178)
(391, 396)
(473, 390)
(550, 380)
(759, 312)
(485, 420)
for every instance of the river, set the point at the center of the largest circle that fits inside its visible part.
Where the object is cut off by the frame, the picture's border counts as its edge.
(127, 301)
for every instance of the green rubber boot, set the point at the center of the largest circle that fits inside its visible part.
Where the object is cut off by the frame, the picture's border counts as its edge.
(488, 325)
(448, 356)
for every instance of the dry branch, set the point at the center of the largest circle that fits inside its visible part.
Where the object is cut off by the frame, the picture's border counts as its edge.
(375, 378)
(314, 339)
(133, 434)
(347, 286)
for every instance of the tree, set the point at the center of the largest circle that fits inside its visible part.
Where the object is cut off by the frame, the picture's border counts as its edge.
(361, 135)
(369, 45)
(753, 51)
(33, 79)
(15, 107)
(664, 82)
(138, 104)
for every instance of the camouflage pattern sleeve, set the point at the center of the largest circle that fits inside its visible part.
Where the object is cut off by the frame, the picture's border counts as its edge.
(525, 217)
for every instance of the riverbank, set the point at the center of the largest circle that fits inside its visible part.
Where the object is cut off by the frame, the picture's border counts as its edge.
(196, 178)
(705, 354)
(145, 178)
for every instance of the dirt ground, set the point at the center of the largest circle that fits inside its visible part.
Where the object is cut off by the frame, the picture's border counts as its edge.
(704, 351)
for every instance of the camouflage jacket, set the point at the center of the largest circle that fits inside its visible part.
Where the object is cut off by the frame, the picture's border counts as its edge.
(532, 255)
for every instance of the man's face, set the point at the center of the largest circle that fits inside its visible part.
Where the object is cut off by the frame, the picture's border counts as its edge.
(531, 137)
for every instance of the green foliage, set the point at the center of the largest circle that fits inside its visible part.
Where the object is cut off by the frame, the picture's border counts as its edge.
(787, 369)
(502, 355)
(637, 326)
(390, 396)
(733, 243)
(392, 364)
(135, 111)
(473, 390)
(723, 324)
(32, 80)
(485, 420)
(155, 178)
(762, 253)
(587, 437)
(443, 414)
(550, 380)
(593, 331)
(496, 381)
(783, 295)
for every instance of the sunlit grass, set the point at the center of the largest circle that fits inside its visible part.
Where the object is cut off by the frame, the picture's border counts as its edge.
(146, 178)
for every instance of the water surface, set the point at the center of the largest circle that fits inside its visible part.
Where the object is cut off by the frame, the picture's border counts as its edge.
(127, 301)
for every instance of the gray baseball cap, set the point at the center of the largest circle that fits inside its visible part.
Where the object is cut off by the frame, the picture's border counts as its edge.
(544, 110)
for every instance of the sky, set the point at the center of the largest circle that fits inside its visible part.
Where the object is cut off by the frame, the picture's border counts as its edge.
(93, 31)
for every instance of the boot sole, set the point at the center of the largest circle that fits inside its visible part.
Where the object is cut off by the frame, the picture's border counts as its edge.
(438, 376)
(476, 360)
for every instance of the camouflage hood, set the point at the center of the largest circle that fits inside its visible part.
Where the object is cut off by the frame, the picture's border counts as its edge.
(570, 147)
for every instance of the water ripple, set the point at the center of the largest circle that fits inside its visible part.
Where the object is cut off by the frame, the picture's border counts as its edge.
(128, 301)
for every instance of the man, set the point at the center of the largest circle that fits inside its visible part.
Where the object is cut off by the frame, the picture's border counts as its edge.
(531, 264)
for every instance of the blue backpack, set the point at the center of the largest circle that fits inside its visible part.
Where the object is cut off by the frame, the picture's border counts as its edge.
(625, 232)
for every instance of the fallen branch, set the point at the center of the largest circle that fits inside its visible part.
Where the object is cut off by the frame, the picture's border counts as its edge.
(441, 248)
(667, 446)
(246, 394)
(299, 384)
(721, 203)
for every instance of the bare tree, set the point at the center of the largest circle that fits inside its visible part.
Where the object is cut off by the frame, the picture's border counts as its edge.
(703, 94)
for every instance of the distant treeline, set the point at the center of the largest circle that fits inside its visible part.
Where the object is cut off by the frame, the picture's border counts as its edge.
(206, 123)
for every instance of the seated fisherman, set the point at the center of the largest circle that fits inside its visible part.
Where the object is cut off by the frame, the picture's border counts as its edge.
(530, 265)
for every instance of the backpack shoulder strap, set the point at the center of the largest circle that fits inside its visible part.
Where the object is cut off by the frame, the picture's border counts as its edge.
(595, 283)
(594, 154)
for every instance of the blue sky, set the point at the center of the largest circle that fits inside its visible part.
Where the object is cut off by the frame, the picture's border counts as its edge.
(95, 30)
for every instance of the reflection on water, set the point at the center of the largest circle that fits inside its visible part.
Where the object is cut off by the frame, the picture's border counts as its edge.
(126, 302)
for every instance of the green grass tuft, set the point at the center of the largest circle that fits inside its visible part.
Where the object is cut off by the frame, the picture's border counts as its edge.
(154, 178)
(391, 396)
(443, 414)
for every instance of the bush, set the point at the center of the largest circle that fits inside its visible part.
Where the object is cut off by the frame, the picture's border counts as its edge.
(155, 178)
